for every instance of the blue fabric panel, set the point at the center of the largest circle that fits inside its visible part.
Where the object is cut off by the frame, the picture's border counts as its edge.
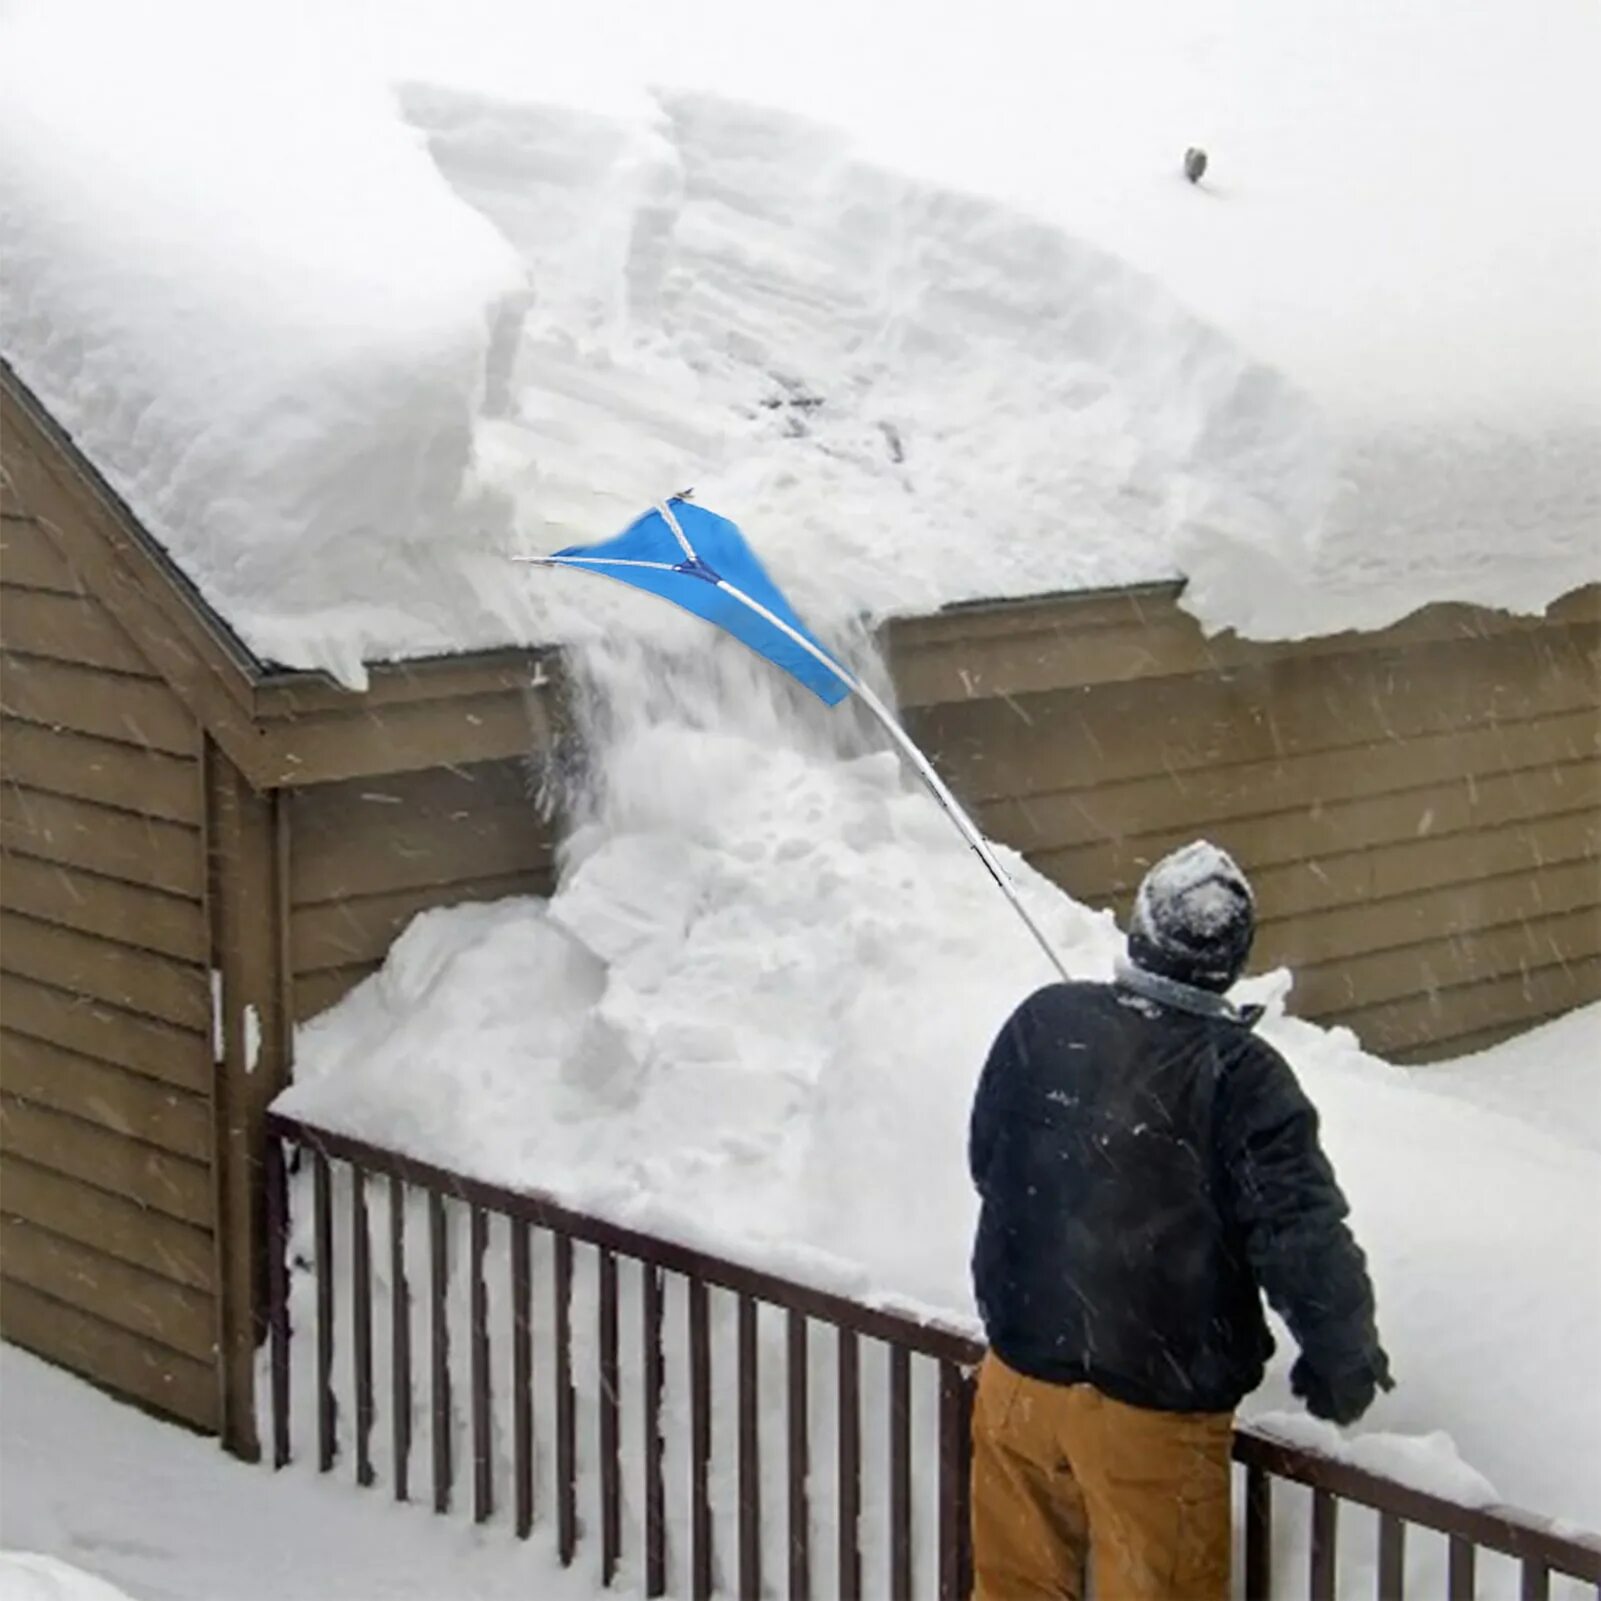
(720, 552)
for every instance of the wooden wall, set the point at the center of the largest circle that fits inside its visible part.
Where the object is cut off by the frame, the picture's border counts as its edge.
(367, 854)
(108, 1254)
(1419, 809)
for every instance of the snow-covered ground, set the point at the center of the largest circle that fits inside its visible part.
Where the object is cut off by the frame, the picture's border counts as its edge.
(165, 1515)
(345, 348)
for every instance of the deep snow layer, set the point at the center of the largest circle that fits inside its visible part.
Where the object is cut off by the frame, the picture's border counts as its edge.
(113, 1496)
(344, 354)
(754, 1011)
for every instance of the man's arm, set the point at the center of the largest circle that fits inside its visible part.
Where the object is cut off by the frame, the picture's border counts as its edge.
(1289, 1205)
(1000, 1068)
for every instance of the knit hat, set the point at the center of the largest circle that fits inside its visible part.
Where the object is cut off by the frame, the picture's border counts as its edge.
(1194, 918)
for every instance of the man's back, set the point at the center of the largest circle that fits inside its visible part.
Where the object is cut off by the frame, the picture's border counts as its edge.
(1107, 1251)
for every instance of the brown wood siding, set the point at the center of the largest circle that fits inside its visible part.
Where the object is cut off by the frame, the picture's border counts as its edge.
(29, 559)
(391, 737)
(368, 854)
(1419, 809)
(107, 1207)
(83, 586)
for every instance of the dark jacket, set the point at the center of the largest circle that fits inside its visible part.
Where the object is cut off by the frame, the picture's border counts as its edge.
(1144, 1171)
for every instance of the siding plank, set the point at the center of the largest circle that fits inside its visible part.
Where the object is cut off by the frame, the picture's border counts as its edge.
(1462, 909)
(107, 907)
(155, 1308)
(109, 1097)
(404, 737)
(1072, 643)
(122, 1362)
(1457, 807)
(28, 557)
(68, 628)
(150, 1240)
(107, 1033)
(107, 970)
(1424, 1025)
(129, 777)
(140, 850)
(79, 1150)
(1361, 877)
(1335, 988)
(1033, 744)
(1099, 811)
(350, 932)
(137, 711)
(435, 828)
(316, 992)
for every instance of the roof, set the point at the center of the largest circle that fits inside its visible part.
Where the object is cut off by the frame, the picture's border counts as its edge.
(281, 728)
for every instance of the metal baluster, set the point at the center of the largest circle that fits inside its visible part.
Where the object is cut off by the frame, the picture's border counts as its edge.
(277, 1183)
(750, 1467)
(323, 1229)
(566, 1416)
(1325, 1534)
(399, 1341)
(439, 1325)
(1392, 1558)
(478, 1360)
(850, 1466)
(900, 1473)
(1258, 1534)
(361, 1310)
(655, 1494)
(611, 1510)
(522, 1378)
(700, 1441)
(800, 1534)
(952, 1472)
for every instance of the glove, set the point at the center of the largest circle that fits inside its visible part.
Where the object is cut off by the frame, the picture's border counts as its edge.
(1344, 1396)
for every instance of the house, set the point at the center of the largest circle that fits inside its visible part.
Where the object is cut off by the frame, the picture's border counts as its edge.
(201, 850)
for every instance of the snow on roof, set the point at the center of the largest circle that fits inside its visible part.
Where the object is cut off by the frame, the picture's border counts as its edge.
(345, 348)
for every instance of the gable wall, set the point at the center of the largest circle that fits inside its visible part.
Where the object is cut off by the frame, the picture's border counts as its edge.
(108, 1258)
(367, 854)
(1419, 809)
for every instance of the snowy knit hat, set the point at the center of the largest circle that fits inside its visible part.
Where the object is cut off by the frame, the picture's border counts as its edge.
(1194, 918)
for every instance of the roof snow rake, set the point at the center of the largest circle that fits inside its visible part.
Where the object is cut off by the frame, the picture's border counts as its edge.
(657, 554)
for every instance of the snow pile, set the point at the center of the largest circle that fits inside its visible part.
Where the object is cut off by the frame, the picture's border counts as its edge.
(767, 966)
(344, 349)
(753, 1013)
(31, 1576)
(1545, 1077)
(242, 288)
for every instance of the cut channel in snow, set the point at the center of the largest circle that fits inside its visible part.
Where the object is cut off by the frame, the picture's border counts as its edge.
(345, 348)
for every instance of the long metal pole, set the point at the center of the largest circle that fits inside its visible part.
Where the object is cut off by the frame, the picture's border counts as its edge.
(925, 768)
(948, 803)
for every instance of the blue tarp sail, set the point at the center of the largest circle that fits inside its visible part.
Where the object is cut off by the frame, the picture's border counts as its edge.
(704, 565)
(700, 561)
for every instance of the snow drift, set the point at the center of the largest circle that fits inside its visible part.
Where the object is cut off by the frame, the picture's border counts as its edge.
(344, 348)
(753, 1013)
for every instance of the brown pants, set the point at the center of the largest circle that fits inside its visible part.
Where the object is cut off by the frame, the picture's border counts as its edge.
(1060, 1471)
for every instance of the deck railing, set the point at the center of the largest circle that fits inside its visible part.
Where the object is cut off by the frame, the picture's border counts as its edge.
(913, 1546)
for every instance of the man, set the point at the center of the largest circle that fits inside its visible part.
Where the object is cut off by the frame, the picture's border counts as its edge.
(1147, 1168)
